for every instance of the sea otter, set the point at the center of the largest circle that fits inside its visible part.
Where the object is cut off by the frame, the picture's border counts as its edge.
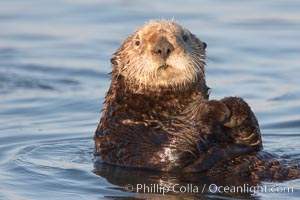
(157, 114)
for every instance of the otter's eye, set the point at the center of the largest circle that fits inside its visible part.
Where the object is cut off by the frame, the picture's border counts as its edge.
(137, 42)
(185, 37)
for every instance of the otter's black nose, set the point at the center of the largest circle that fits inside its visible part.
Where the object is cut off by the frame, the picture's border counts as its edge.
(163, 48)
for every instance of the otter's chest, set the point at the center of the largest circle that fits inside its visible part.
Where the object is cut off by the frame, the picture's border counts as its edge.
(160, 145)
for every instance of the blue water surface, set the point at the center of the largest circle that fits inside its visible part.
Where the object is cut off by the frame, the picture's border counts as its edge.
(54, 65)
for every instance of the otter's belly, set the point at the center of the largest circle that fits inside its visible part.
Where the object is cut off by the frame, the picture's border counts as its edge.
(158, 157)
(161, 150)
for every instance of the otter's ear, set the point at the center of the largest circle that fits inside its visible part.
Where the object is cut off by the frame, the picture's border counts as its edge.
(114, 60)
(118, 56)
(204, 45)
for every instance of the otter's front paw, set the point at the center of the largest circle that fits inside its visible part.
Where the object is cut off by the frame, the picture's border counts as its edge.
(240, 111)
(213, 111)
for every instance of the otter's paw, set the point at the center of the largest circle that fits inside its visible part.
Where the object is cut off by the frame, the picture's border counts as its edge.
(213, 111)
(240, 111)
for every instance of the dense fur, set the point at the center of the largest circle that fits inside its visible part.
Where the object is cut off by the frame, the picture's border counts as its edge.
(145, 69)
(157, 114)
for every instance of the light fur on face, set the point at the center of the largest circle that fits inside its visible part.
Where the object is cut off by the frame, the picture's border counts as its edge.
(140, 65)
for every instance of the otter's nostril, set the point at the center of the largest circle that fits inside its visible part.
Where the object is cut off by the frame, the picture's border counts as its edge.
(168, 51)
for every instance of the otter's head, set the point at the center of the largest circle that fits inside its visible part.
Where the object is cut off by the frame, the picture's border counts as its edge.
(161, 54)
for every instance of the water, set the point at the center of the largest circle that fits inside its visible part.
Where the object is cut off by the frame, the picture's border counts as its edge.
(54, 60)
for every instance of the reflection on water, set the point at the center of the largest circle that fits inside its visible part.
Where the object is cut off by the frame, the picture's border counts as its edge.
(54, 60)
(145, 184)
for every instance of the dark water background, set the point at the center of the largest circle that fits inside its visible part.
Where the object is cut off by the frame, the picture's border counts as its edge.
(54, 60)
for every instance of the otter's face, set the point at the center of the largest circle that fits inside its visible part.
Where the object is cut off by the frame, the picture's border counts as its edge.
(161, 54)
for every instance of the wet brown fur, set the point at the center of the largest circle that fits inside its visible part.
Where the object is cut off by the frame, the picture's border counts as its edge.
(157, 114)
